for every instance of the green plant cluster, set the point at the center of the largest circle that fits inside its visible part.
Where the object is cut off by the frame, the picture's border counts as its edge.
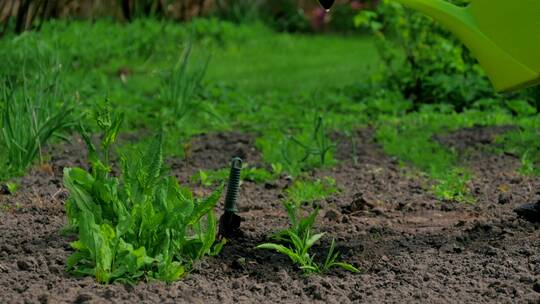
(310, 148)
(139, 225)
(30, 116)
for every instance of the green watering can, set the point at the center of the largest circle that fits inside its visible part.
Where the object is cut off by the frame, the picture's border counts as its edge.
(504, 35)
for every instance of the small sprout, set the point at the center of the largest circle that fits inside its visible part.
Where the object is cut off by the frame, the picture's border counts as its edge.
(297, 241)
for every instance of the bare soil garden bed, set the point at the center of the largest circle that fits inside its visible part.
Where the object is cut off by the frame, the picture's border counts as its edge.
(410, 246)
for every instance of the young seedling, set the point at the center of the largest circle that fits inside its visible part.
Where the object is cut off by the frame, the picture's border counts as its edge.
(316, 145)
(296, 242)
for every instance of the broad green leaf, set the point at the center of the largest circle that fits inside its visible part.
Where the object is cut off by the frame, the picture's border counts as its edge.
(208, 236)
(313, 239)
(205, 206)
(76, 258)
(79, 177)
(281, 249)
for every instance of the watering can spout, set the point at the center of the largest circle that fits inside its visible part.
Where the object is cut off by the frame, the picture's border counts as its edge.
(503, 35)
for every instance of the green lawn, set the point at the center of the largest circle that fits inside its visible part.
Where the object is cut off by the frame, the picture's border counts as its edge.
(293, 62)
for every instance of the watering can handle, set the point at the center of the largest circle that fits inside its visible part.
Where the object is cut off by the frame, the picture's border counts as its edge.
(443, 11)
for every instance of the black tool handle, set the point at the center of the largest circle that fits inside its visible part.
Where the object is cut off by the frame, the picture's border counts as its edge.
(234, 185)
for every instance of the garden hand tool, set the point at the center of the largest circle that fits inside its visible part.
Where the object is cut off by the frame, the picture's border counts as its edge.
(229, 222)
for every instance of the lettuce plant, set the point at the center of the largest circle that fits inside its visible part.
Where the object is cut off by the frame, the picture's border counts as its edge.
(141, 224)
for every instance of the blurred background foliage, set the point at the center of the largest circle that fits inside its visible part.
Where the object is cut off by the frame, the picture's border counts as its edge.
(286, 15)
(283, 62)
(419, 59)
(424, 63)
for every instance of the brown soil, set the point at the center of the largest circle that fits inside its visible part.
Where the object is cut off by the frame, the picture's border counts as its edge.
(411, 247)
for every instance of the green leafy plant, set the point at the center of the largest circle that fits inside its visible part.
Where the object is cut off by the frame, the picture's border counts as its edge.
(31, 116)
(297, 241)
(139, 225)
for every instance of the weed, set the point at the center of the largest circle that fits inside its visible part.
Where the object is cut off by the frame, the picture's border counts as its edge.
(524, 144)
(180, 88)
(411, 139)
(299, 239)
(453, 186)
(141, 225)
(8, 188)
(317, 145)
(30, 117)
(306, 150)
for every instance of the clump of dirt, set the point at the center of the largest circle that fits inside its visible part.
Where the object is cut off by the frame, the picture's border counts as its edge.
(410, 246)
